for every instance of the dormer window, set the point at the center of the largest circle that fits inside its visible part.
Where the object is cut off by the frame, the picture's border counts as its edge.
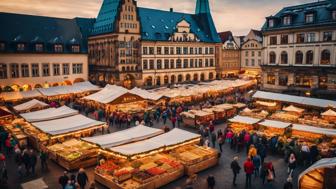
(75, 48)
(38, 47)
(287, 20)
(20, 47)
(309, 18)
(2, 46)
(334, 14)
(58, 48)
(271, 23)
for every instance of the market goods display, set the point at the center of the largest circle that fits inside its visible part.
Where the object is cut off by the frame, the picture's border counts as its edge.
(255, 113)
(192, 154)
(239, 127)
(315, 121)
(285, 116)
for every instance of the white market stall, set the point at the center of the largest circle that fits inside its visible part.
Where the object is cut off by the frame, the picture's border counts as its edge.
(49, 114)
(30, 105)
(294, 109)
(329, 115)
(239, 123)
(272, 127)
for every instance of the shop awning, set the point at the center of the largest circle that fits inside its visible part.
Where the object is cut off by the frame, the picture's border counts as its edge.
(244, 120)
(108, 94)
(30, 105)
(306, 101)
(312, 129)
(274, 124)
(292, 108)
(133, 134)
(66, 125)
(321, 164)
(145, 94)
(49, 114)
(68, 89)
(172, 138)
(329, 112)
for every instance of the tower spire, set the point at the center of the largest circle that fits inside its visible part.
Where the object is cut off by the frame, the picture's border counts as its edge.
(202, 6)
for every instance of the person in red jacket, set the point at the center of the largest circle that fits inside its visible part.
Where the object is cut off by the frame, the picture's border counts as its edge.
(249, 168)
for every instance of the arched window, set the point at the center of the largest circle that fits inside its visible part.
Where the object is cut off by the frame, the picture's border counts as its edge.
(180, 78)
(166, 80)
(325, 57)
(149, 81)
(188, 77)
(195, 77)
(309, 57)
(272, 58)
(284, 57)
(202, 77)
(211, 75)
(298, 57)
(172, 79)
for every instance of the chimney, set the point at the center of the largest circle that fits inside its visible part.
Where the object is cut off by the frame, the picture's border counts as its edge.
(171, 10)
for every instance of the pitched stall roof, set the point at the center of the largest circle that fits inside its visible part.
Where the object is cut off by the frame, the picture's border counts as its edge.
(31, 29)
(321, 9)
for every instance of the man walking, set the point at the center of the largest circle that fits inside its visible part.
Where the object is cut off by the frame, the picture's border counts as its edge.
(249, 169)
(235, 169)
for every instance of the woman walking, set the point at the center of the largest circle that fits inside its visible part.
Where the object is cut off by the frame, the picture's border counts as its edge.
(291, 164)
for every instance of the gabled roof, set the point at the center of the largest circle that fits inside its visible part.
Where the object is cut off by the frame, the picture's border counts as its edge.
(322, 10)
(30, 29)
(159, 25)
(224, 36)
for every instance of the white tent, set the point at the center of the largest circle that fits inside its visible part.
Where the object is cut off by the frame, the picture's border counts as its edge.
(292, 108)
(274, 124)
(312, 129)
(145, 94)
(329, 112)
(244, 120)
(108, 94)
(48, 114)
(67, 124)
(68, 89)
(173, 137)
(123, 137)
(30, 105)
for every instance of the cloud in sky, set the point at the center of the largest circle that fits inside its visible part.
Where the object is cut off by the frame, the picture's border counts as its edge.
(238, 16)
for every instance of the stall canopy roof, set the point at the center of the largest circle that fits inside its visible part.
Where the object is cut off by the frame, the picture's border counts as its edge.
(244, 119)
(9, 96)
(312, 129)
(274, 124)
(66, 125)
(68, 89)
(295, 99)
(30, 105)
(145, 94)
(269, 104)
(292, 108)
(329, 112)
(321, 164)
(49, 114)
(173, 137)
(123, 137)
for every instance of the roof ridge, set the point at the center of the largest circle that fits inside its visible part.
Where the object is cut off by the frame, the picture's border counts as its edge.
(41, 16)
(154, 9)
(307, 4)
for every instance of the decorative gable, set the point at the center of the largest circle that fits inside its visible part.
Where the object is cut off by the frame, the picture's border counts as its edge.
(183, 32)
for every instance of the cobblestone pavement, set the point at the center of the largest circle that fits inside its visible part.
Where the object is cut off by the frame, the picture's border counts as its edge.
(222, 172)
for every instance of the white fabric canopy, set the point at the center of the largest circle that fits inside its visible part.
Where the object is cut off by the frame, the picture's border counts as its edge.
(66, 125)
(145, 94)
(173, 137)
(312, 129)
(244, 120)
(275, 124)
(247, 110)
(68, 89)
(48, 114)
(295, 99)
(292, 108)
(269, 104)
(108, 94)
(133, 134)
(30, 105)
(329, 112)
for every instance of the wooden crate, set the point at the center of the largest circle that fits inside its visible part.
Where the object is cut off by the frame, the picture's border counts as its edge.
(89, 162)
(168, 177)
(192, 169)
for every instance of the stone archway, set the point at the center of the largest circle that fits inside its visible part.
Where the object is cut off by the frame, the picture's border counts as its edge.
(166, 80)
(188, 78)
(202, 77)
(158, 81)
(149, 81)
(172, 79)
(211, 76)
(195, 77)
(180, 78)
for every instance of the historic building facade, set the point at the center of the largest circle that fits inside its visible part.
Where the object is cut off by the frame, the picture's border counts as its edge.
(38, 51)
(134, 46)
(299, 54)
(229, 64)
(251, 56)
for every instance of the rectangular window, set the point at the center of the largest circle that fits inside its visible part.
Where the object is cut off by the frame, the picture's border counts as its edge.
(246, 53)
(145, 64)
(77, 68)
(178, 50)
(196, 51)
(75, 48)
(273, 40)
(185, 50)
(283, 80)
(39, 47)
(271, 23)
(144, 50)
(259, 53)
(284, 39)
(252, 62)
(206, 50)
(166, 64)
(151, 64)
(309, 18)
(14, 68)
(300, 38)
(159, 64)
(246, 62)
(172, 50)
(58, 48)
(252, 53)
(200, 51)
(212, 63)
(191, 50)
(287, 20)
(45, 70)
(24, 70)
(151, 50)
(35, 70)
(56, 69)
(20, 47)
(311, 37)
(3, 71)
(200, 63)
(271, 79)
(211, 50)
(158, 50)
(66, 70)
(172, 64)
(185, 63)
(166, 50)
(327, 36)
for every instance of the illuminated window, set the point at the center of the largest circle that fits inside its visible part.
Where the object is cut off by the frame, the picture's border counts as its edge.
(14, 68)
(38, 47)
(325, 57)
(24, 70)
(270, 78)
(3, 71)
